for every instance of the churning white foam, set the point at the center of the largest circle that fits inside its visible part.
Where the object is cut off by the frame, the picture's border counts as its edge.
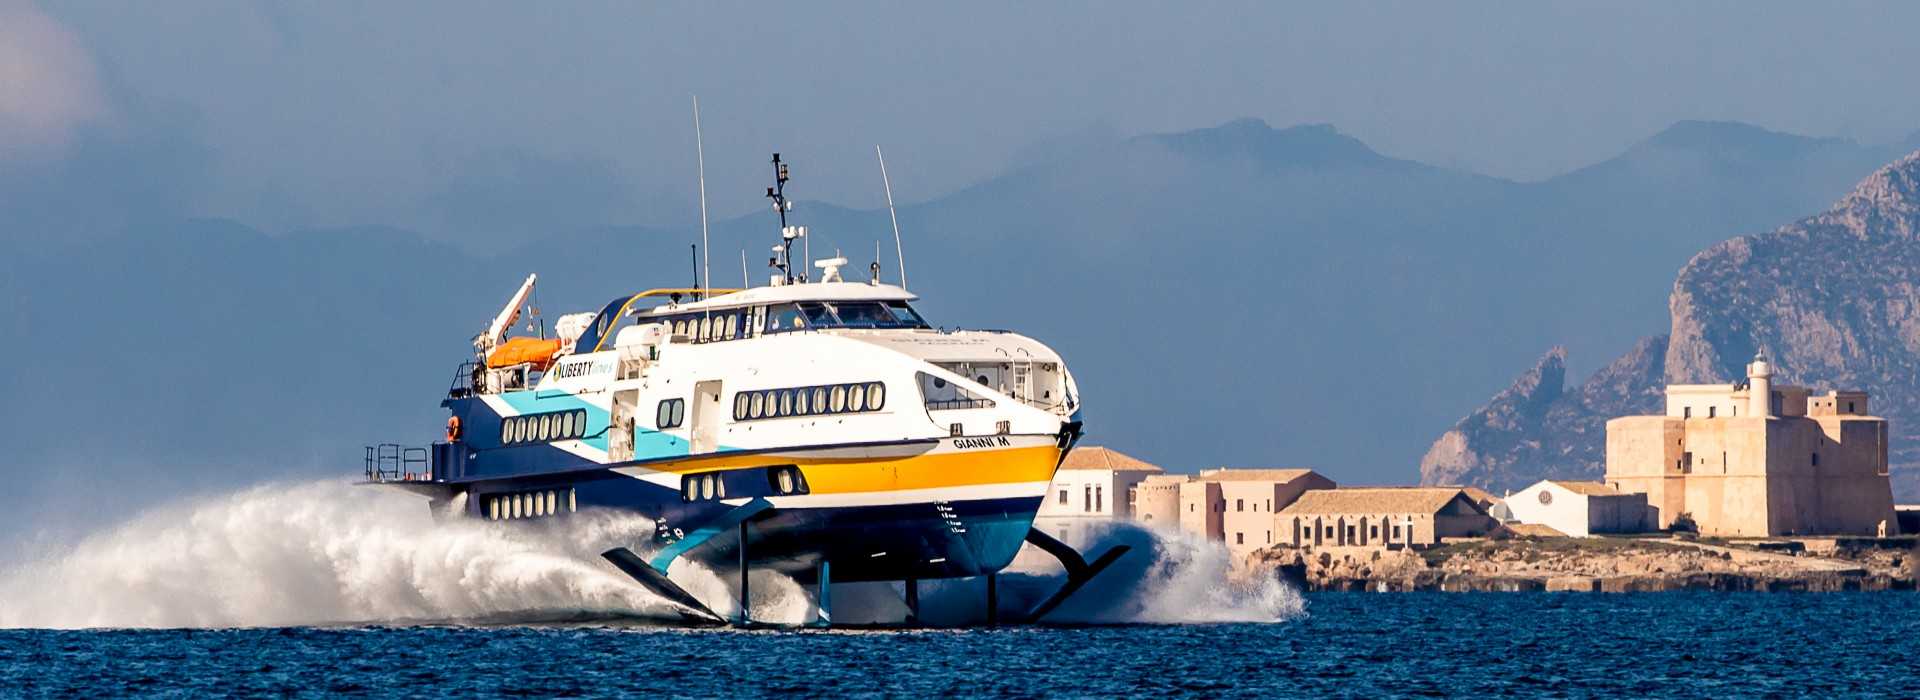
(334, 553)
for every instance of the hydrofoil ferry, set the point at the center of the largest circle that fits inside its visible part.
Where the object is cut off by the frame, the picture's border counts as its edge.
(820, 428)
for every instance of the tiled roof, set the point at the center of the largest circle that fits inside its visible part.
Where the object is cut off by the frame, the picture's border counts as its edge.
(1373, 500)
(1587, 488)
(1227, 474)
(1481, 496)
(1103, 458)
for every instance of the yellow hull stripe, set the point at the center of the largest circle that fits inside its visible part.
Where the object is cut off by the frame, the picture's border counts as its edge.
(868, 474)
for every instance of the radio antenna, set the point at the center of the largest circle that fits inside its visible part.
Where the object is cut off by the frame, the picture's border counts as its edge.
(700, 151)
(744, 284)
(897, 250)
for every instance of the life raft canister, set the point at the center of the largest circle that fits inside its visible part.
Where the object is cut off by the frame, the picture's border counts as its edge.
(453, 428)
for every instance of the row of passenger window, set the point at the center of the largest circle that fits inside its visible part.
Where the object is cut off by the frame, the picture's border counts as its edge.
(543, 427)
(529, 504)
(710, 327)
(809, 401)
(712, 486)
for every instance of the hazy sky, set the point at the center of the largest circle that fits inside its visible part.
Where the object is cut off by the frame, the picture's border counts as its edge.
(339, 113)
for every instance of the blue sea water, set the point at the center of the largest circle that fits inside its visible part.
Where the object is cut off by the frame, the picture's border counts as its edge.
(1345, 644)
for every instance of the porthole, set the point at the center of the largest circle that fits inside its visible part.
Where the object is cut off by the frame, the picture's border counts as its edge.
(536, 505)
(506, 431)
(513, 507)
(857, 398)
(759, 403)
(573, 502)
(740, 405)
(552, 501)
(819, 399)
(706, 328)
(733, 326)
(785, 481)
(493, 508)
(800, 404)
(876, 396)
(679, 412)
(839, 400)
(519, 429)
(706, 486)
(719, 487)
(543, 430)
(786, 402)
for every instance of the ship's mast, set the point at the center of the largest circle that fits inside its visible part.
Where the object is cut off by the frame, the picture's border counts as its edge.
(783, 253)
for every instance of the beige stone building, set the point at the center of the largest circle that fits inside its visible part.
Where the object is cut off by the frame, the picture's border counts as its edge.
(1753, 459)
(1381, 517)
(1249, 501)
(1236, 506)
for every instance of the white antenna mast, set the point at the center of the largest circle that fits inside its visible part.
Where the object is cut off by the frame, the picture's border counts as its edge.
(744, 284)
(897, 250)
(700, 149)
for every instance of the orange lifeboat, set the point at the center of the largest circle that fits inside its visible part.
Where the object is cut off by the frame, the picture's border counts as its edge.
(518, 351)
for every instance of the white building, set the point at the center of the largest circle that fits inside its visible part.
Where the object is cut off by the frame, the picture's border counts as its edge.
(1092, 486)
(1581, 508)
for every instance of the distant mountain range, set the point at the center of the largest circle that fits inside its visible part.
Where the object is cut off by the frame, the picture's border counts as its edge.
(1833, 299)
(1232, 295)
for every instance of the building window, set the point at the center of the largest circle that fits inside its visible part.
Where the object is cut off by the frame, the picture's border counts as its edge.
(1239, 505)
(1063, 497)
(1816, 459)
(1086, 500)
(1239, 538)
(1713, 411)
(1686, 412)
(1099, 499)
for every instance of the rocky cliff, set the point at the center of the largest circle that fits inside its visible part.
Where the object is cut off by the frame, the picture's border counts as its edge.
(1834, 299)
(1537, 428)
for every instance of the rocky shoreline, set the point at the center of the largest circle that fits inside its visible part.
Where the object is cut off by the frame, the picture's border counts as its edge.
(1604, 565)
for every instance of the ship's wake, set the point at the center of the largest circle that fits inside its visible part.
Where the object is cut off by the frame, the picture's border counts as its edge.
(330, 553)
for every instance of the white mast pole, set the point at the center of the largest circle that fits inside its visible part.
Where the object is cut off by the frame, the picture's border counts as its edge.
(897, 250)
(744, 284)
(700, 150)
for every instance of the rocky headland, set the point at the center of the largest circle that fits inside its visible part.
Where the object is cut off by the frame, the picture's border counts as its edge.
(1834, 299)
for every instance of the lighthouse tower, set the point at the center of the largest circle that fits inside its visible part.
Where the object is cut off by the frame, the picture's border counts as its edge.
(1759, 386)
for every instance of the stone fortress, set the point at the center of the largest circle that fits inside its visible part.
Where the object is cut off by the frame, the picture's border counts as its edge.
(1753, 459)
